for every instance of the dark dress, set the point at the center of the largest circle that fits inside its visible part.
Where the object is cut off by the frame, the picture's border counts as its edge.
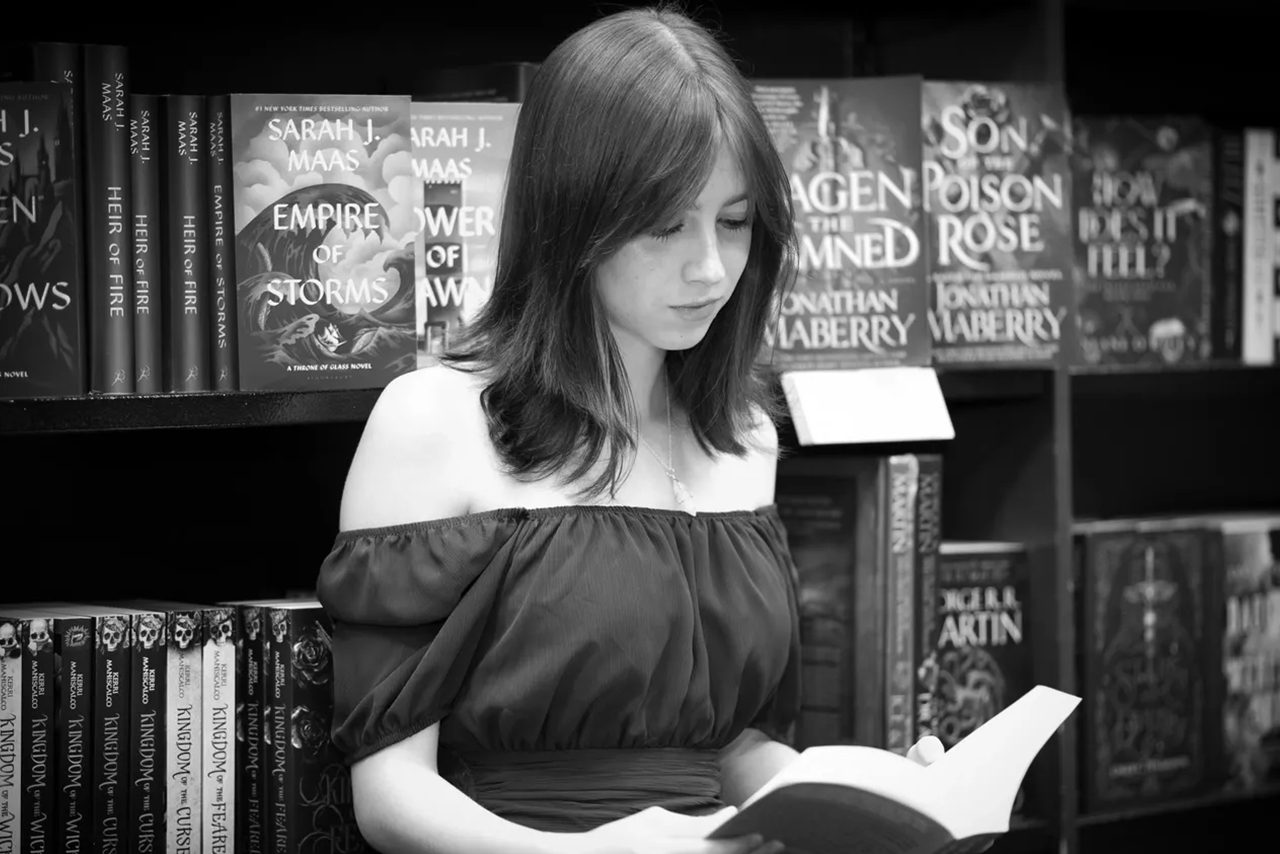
(583, 662)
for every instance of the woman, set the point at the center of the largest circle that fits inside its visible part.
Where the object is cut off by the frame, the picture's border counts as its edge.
(564, 608)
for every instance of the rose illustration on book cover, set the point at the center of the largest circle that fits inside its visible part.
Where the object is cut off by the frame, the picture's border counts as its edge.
(324, 224)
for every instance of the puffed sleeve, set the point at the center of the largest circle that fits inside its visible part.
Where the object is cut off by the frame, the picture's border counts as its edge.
(777, 718)
(408, 604)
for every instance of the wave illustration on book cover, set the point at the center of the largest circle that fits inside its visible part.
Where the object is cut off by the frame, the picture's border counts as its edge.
(324, 240)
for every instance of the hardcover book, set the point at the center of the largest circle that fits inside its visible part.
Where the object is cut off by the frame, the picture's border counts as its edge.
(309, 804)
(997, 190)
(1151, 667)
(1251, 650)
(39, 635)
(1226, 270)
(108, 214)
(460, 156)
(222, 283)
(187, 325)
(13, 701)
(842, 798)
(42, 307)
(982, 649)
(1143, 223)
(851, 147)
(146, 132)
(324, 224)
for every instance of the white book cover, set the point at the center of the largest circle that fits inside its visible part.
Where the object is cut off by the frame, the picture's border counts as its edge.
(1257, 334)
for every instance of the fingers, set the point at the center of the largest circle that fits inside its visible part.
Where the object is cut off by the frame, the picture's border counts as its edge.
(927, 750)
(753, 844)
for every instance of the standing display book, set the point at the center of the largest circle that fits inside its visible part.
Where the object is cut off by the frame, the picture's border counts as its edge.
(836, 798)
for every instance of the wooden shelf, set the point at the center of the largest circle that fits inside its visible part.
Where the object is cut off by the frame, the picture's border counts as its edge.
(1217, 799)
(92, 413)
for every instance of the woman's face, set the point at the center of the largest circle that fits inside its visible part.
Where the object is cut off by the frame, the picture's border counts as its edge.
(663, 289)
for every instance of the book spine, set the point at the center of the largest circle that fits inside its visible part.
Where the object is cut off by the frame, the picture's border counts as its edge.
(39, 795)
(928, 538)
(108, 244)
(1273, 196)
(182, 733)
(12, 731)
(218, 763)
(146, 770)
(73, 745)
(279, 769)
(226, 370)
(186, 327)
(250, 786)
(1227, 252)
(1259, 249)
(148, 262)
(899, 646)
(112, 689)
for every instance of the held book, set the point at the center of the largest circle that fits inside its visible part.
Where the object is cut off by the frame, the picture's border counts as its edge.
(856, 798)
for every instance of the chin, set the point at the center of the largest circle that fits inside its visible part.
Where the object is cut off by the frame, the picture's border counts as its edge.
(684, 340)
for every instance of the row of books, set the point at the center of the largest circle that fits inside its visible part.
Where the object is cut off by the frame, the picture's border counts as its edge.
(169, 243)
(170, 726)
(938, 222)
(905, 633)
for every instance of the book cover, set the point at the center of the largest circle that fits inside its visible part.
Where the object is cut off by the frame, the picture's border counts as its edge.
(460, 156)
(187, 325)
(218, 720)
(13, 701)
(1226, 240)
(147, 176)
(982, 649)
(146, 762)
(108, 213)
(997, 191)
(42, 306)
(323, 204)
(928, 540)
(842, 798)
(819, 512)
(222, 292)
(1251, 650)
(38, 639)
(1258, 327)
(1151, 662)
(1143, 219)
(251, 781)
(309, 797)
(73, 748)
(852, 151)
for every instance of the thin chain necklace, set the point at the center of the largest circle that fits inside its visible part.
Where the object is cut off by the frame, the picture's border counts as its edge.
(684, 498)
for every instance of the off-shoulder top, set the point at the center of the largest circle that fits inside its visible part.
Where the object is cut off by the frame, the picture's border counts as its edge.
(583, 662)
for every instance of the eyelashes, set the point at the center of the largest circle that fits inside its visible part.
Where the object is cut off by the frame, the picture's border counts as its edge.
(728, 224)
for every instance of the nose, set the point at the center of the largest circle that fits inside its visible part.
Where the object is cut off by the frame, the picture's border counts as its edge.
(705, 266)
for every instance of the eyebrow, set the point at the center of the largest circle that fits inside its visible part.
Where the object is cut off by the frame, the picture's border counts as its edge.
(741, 197)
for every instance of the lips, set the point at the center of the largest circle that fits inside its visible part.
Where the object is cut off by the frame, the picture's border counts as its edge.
(697, 311)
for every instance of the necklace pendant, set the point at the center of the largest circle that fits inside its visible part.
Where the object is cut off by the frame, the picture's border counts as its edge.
(684, 499)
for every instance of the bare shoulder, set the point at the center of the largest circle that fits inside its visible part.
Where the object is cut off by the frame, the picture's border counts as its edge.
(425, 429)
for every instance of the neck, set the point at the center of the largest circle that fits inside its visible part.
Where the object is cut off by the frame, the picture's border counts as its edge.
(645, 371)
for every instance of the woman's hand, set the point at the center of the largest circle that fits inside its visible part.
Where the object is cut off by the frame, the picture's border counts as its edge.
(927, 750)
(659, 831)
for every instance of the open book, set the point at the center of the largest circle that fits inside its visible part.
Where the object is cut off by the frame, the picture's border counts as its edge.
(848, 798)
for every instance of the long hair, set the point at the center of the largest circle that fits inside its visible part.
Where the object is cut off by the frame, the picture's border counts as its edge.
(619, 131)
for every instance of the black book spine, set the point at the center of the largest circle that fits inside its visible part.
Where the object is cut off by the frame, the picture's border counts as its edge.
(38, 793)
(186, 327)
(73, 747)
(1227, 244)
(218, 761)
(12, 733)
(222, 280)
(112, 690)
(279, 776)
(249, 826)
(108, 243)
(146, 769)
(148, 261)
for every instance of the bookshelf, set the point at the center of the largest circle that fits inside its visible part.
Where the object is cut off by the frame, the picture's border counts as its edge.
(173, 495)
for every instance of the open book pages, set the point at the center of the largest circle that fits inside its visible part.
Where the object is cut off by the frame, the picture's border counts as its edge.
(968, 792)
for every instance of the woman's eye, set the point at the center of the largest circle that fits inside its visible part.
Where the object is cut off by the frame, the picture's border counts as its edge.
(664, 233)
(735, 224)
